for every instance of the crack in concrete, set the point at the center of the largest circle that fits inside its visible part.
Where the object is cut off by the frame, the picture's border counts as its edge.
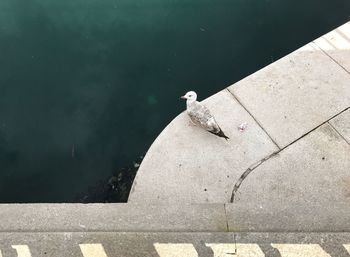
(227, 228)
(312, 130)
(235, 240)
(247, 172)
(257, 164)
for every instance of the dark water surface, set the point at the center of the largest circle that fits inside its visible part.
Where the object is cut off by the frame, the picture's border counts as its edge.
(87, 85)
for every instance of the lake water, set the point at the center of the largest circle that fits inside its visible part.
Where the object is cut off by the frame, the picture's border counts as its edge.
(87, 85)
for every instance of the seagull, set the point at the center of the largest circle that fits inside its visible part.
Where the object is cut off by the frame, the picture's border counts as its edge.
(201, 116)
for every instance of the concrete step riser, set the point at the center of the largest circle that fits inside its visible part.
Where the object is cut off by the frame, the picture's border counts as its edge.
(174, 244)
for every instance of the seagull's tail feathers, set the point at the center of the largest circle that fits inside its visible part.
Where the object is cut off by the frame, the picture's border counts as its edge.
(220, 134)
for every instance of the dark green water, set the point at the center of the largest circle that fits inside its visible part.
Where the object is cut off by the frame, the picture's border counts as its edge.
(87, 85)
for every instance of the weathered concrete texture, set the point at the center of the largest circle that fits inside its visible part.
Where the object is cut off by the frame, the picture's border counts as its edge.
(342, 124)
(337, 45)
(312, 172)
(295, 94)
(288, 216)
(174, 244)
(111, 217)
(189, 165)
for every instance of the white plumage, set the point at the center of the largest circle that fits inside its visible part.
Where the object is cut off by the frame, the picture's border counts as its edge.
(201, 116)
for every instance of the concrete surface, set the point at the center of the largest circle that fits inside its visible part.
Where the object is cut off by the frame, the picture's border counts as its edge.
(174, 244)
(295, 94)
(337, 45)
(289, 216)
(315, 169)
(111, 217)
(342, 124)
(247, 216)
(187, 164)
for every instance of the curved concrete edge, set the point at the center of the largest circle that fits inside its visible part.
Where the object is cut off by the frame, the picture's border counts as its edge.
(111, 217)
(188, 164)
(282, 103)
(148, 156)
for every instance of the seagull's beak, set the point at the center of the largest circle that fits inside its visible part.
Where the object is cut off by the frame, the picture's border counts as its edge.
(183, 97)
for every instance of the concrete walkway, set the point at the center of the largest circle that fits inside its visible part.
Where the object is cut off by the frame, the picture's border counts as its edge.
(294, 152)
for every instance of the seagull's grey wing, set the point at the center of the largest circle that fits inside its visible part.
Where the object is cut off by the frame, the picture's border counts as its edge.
(201, 116)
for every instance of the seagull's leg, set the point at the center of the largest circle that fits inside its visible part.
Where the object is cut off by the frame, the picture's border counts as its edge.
(191, 123)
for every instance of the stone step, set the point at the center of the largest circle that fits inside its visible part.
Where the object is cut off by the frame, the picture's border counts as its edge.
(287, 216)
(166, 244)
(111, 217)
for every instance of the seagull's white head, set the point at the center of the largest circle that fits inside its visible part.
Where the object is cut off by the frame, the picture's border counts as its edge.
(190, 96)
